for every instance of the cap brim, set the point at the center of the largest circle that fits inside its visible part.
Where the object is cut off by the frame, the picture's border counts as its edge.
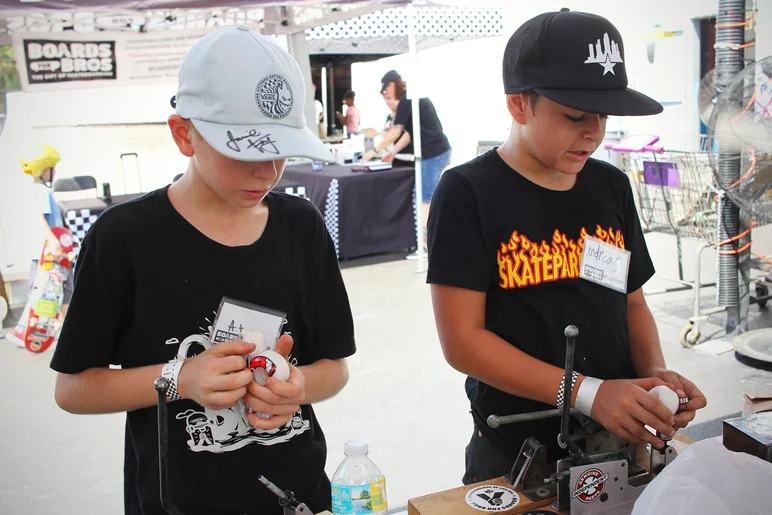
(263, 142)
(614, 102)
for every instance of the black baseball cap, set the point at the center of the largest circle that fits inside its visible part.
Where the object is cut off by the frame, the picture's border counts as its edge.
(388, 77)
(575, 59)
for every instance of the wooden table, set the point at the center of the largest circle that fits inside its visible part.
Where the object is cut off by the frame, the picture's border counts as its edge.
(452, 502)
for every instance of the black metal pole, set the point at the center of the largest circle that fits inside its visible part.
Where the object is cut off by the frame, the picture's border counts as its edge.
(571, 333)
(729, 62)
(161, 386)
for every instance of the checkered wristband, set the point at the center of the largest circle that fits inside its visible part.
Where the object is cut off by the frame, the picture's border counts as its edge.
(574, 377)
(171, 372)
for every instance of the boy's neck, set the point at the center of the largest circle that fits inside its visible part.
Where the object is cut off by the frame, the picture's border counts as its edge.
(521, 161)
(214, 217)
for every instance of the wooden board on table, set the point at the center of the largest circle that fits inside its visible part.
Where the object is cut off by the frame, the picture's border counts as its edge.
(452, 502)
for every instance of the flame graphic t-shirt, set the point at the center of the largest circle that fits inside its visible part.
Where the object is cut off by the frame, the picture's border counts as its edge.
(491, 230)
(148, 286)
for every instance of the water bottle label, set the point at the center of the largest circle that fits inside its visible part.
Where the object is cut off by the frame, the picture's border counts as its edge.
(360, 500)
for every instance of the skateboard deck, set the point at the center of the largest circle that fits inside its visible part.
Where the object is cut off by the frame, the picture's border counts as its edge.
(38, 326)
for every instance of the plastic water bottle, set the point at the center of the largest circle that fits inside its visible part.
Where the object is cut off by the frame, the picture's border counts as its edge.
(358, 487)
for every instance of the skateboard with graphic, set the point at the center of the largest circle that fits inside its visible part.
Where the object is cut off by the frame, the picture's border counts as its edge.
(39, 324)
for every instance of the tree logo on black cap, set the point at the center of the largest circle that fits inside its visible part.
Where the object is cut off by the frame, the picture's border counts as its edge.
(606, 55)
(274, 96)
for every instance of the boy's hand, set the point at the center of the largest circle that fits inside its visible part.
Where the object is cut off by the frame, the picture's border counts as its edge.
(368, 156)
(624, 406)
(218, 377)
(388, 158)
(282, 399)
(685, 389)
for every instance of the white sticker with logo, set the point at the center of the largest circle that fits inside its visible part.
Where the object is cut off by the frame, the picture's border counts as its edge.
(590, 485)
(274, 97)
(607, 55)
(492, 498)
(605, 264)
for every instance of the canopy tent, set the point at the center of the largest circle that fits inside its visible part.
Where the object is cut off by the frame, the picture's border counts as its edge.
(289, 17)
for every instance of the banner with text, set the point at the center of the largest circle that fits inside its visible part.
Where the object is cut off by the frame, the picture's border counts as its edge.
(49, 61)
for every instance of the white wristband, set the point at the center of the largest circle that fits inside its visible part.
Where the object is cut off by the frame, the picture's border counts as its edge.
(171, 372)
(585, 397)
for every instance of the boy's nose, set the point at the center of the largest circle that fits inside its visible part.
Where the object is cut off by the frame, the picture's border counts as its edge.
(264, 170)
(596, 127)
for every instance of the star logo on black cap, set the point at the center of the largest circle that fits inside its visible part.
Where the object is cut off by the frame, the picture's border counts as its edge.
(607, 55)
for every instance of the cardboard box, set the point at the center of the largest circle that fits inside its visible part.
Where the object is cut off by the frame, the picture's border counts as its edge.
(756, 403)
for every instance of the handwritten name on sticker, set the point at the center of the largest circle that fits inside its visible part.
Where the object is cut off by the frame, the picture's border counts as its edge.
(605, 264)
(253, 140)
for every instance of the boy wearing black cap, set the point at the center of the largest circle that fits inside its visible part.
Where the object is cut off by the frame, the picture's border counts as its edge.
(507, 233)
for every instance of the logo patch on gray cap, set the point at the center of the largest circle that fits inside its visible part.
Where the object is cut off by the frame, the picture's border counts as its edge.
(274, 96)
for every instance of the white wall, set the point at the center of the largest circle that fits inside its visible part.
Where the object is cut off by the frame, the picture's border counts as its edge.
(764, 30)
(464, 81)
(85, 150)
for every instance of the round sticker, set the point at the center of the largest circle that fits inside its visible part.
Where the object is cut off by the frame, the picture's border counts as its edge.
(590, 485)
(274, 96)
(492, 498)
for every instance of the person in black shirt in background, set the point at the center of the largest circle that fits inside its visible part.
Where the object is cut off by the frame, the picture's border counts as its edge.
(152, 273)
(506, 237)
(435, 148)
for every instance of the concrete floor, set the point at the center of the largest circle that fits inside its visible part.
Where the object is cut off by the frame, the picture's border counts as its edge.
(402, 397)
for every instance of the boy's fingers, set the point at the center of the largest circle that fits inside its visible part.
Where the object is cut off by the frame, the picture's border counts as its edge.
(279, 393)
(683, 418)
(696, 398)
(647, 383)
(283, 389)
(655, 406)
(230, 382)
(640, 433)
(284, 345)
(225, 399)
(263, 393)
(260, 406)
(269, 423)
(232, 347)
(229, 364)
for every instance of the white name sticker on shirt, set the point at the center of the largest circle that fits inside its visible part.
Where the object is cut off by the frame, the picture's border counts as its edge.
(605, 264)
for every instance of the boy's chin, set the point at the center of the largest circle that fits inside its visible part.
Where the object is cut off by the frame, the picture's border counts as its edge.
(570, 168)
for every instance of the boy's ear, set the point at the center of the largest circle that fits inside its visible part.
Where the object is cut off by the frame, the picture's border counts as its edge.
(182, 134)
(517, 104)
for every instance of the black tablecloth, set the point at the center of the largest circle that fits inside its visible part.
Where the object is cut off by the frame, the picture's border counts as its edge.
(80, 214)
(96, 204)
(365, 212)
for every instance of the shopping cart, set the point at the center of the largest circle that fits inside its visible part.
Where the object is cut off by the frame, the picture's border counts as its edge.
(675, 193)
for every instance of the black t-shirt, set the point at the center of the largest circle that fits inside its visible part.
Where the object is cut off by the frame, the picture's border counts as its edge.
(433, 140)
(494, 231)
(146, 281)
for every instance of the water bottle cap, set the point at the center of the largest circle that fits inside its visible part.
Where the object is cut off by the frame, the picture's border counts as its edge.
(356, 448)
